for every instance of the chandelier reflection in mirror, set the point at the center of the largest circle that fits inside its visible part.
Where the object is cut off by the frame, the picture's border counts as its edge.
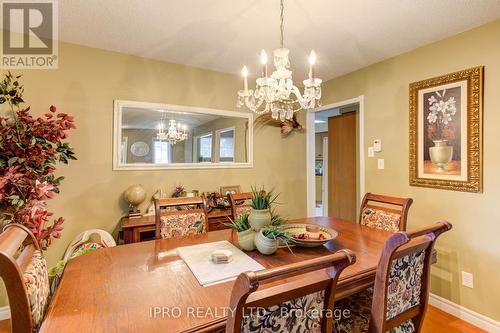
(277, 93)
(175, 133)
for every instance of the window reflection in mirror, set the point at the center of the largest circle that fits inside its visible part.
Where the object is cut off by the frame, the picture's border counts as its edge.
(204, 148)
(167, 136)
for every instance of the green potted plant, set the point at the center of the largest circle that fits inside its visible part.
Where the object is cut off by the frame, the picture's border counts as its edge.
(276, 219)
(267, 239)
(260, 214)
(245, 233)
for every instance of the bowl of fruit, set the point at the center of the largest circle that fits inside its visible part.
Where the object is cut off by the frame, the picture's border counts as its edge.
(309, 235)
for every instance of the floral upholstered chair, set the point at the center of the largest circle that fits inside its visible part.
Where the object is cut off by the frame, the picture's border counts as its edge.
(240, 204)
(385, 216)
(298, 309)
(398, 300)
(24, 272)
(180, 222)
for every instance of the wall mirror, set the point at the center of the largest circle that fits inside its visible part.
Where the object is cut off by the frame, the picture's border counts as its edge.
(161, 136)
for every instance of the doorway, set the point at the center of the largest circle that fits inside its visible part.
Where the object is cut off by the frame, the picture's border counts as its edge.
(335, 159)
(342, 165)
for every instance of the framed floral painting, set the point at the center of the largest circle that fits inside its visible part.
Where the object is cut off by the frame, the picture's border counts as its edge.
(446, 131)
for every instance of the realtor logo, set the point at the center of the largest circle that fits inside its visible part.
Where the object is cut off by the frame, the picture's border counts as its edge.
(29, 34)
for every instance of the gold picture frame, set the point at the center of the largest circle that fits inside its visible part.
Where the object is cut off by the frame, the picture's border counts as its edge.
(446, 128)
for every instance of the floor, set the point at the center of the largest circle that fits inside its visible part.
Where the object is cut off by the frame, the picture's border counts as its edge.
(436, 321)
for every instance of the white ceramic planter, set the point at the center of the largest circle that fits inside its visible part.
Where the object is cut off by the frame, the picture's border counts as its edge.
(246, 239)
(259, 218)
(265, 245)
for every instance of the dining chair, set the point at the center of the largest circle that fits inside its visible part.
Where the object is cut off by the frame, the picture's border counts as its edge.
(298, 305)
(239, 204)
(180, 217)
(388, 213)
(24, 272)
(398, 301)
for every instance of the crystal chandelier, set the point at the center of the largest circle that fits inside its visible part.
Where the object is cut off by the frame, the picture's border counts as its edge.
(277, 93)
(174, 133)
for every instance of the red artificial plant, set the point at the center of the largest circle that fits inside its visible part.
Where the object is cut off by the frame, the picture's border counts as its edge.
(30, 149)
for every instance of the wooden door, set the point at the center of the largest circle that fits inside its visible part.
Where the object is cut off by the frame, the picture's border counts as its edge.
(342, 166)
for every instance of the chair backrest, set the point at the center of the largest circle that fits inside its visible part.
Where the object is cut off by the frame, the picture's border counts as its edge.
(390, 216)
(401, 286)
(24, 272)
(313, 294)
(239, 203)
(180, 217)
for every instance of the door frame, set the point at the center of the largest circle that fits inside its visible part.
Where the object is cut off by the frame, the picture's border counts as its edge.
(324, 181)
(310, 149)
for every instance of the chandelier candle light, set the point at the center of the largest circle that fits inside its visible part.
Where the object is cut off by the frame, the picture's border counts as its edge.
(176, 132)
(277, 93)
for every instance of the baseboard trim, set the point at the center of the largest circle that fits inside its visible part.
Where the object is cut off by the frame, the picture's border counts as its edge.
(465, 314)
(4, 312)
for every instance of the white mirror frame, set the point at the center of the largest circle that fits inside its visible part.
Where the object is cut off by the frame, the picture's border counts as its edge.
(117, 137)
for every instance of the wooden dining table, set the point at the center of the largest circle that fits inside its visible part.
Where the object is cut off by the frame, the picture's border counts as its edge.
(147, 287)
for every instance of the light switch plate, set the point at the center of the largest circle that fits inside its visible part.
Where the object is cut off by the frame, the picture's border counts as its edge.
(467, 279)
(371, 152)
(381, 163)
(377, 145)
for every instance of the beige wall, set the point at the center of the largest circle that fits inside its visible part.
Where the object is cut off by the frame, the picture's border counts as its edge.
(473, 245)
(85, 85)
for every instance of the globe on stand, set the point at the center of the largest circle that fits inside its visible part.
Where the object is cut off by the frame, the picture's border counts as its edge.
(134, 195)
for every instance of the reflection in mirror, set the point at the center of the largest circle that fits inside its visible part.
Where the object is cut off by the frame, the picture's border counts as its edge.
(160, 135)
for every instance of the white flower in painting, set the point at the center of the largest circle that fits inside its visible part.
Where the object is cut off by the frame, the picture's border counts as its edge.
(432, 100)
(452, 110)
(446, 118)
(441, 106)
(432, 117)
(441, 111)
(451, 103)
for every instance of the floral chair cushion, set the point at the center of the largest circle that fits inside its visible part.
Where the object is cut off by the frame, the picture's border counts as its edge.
(176, 225)
(405, 283)
(305, 316)
(358, 320)
(359, 306)
(36, 280)
(380, 219)
(242, 210)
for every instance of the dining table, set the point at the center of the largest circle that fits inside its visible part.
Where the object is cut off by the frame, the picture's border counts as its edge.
(147, 287)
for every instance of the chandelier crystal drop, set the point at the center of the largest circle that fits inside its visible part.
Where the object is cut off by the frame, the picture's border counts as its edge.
(277, 93)
(175, 132)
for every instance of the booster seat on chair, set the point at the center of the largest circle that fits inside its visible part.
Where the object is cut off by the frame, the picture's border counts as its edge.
(81, 244)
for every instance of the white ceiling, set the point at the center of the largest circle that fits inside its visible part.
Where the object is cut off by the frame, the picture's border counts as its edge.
(139, 118)
(224, 35)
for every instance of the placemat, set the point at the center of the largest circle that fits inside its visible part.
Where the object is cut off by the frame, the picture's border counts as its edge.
(198, 259)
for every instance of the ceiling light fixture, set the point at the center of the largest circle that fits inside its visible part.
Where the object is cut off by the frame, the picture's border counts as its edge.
(176, 132)
(277, 93)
